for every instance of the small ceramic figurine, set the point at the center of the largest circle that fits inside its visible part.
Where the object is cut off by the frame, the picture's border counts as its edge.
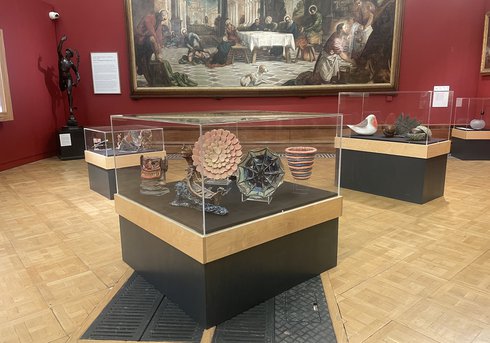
(152, 175)
(367, 127)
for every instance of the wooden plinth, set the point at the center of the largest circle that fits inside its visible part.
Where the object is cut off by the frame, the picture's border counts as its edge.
(71, 143)
(101, 172)
(404, 171)
(217, 276)
(470, 145)
(470, 134)
(102, 181)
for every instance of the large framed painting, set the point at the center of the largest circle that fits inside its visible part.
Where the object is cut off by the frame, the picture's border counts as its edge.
(220, 48)
(485, 55)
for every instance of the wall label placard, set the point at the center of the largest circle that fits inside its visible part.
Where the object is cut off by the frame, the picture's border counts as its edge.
(105, 73)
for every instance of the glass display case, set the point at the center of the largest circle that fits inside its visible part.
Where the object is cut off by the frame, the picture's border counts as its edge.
(471, 114)
(131, 140)
(395, 144)
(407, 117)
(227, 165)
(104, 146)
(235, 194)
(470, 136)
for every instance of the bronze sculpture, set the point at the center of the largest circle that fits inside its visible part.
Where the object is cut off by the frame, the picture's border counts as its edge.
(66, 83)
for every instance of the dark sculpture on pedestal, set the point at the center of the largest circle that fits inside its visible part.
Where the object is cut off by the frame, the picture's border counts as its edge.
(65, 67)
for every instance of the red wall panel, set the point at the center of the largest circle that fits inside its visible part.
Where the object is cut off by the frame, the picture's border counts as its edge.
(31, 60)
(441, 45)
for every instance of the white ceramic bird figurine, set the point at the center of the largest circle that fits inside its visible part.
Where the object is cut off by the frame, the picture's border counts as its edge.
(367, 127)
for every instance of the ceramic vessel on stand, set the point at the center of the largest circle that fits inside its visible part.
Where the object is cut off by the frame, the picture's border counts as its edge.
(478, 124)
(300, 161)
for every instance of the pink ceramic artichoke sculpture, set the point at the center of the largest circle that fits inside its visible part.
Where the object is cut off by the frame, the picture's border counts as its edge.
(216, 154)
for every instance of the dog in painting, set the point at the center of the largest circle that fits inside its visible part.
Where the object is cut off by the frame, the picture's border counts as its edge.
(254, 79)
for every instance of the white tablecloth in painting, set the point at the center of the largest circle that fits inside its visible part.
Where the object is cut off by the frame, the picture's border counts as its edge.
(264, 39)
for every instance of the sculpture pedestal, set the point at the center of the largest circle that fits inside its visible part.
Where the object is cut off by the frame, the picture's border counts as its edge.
(470, 144)
(101, 172)
(72, 145)
(403, 171)
(253, 256)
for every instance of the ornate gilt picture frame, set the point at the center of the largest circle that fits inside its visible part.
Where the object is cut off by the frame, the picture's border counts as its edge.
(220, 48)
(6, 112)
(485, 55)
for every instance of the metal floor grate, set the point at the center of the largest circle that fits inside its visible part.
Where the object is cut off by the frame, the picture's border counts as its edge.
(127, 315)
(170, 323)
(138, 312)
(302, 315)
(299, 315)
(253, 326)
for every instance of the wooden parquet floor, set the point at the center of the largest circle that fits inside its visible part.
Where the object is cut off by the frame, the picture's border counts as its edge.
(406, 272)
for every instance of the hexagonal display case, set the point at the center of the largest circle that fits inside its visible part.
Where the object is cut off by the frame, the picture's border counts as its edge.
(240, 207)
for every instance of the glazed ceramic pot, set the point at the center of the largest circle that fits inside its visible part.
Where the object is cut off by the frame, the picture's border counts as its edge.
(300, 161)
(389, 130)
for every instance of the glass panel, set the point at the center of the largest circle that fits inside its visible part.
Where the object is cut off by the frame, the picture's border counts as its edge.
(471, 113)
(400, 116)
(129, 139)
(224, 169)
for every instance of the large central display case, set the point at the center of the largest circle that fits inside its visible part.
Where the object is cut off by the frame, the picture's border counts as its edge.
(470, 135)
(244, 209)
(393, 160)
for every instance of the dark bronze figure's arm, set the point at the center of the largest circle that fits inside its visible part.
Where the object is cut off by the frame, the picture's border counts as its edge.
(60, 45)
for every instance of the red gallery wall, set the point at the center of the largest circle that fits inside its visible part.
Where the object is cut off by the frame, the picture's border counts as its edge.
(441, 45)
(31, 55)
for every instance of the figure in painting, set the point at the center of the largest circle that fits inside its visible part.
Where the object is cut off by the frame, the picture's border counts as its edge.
(374, 62)
(332, 61)
(220, 57)
(256, 26)
(290, 27)
(363, 13)
(334, 56)
(195, 51)
(313, 28)
(66, 83)
(269, 25)
(148, 39)
(231, 33)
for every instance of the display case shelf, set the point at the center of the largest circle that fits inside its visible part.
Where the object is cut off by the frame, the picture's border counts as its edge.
(214, 264)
